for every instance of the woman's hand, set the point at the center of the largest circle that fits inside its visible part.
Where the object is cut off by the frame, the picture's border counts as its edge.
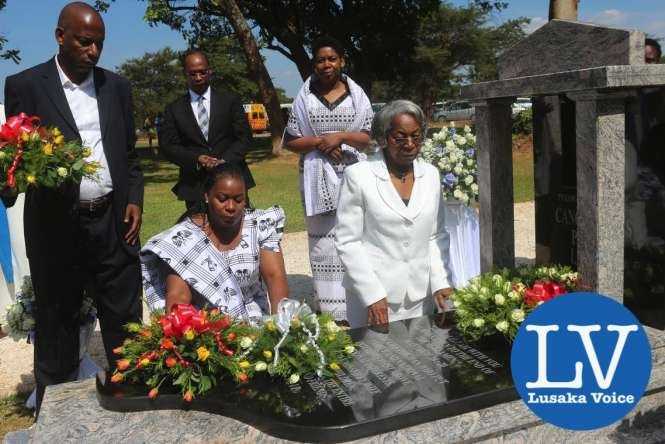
(377, 313)
(440, 297)
(273, 272)
(330, 145)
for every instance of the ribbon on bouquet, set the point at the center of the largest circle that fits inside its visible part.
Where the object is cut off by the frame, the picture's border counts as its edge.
(289, 310)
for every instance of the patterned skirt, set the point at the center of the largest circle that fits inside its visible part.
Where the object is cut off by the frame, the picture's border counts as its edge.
(327, 269)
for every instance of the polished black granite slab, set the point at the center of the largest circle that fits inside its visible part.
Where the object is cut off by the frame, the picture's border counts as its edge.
(407, 373)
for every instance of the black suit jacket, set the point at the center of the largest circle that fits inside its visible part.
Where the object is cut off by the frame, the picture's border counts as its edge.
(50, 215)
(182, 141)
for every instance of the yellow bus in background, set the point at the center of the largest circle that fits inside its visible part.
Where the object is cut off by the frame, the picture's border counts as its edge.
(257, 117)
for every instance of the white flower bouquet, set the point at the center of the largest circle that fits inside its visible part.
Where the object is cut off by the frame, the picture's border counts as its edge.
(498, 302)
(453, 152)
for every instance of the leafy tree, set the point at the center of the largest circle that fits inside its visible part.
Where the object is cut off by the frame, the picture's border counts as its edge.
(204, 19)
(454, 45)
(7, 54)
(156, 80)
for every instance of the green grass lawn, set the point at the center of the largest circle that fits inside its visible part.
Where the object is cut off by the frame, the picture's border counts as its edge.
(276, 178)
(277, 184)
(13, 414)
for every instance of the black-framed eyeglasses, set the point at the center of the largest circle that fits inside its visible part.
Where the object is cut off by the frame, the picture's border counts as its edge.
(403, 141)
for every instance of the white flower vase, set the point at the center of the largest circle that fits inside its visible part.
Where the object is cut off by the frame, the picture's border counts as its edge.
(87, 367)
(462, 225)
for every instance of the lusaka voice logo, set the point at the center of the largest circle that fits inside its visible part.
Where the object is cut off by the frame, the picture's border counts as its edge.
(581, 361)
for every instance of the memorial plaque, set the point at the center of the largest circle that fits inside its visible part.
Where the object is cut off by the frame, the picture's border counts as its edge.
(407, 373)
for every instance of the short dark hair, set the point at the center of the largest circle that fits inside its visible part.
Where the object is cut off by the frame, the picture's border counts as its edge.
(327, 42)
(655, 44)
(192, 51)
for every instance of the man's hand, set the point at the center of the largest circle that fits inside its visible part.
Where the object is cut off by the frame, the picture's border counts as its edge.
(377, 313)
(133, 218)
(208, 162)
(440, 297)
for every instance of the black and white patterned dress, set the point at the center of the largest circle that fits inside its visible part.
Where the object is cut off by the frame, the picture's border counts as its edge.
(230, 280)
(327, 270)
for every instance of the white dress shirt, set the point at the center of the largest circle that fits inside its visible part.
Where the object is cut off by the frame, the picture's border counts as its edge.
(82, 100)
(194, 101)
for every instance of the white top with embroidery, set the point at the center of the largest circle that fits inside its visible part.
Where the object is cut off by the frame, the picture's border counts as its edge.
(229, 280)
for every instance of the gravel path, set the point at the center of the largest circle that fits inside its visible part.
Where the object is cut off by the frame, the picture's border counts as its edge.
(16, 357)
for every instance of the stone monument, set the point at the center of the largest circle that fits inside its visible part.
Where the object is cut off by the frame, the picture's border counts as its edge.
(596, 74)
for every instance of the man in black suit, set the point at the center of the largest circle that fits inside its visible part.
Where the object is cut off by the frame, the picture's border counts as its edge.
(81, 238)
(203, 128)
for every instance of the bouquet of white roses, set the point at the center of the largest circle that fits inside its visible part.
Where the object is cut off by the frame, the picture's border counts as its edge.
(453, 152)
(498, 302)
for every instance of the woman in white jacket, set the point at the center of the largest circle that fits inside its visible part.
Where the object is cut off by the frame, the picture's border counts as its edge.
(390, 232)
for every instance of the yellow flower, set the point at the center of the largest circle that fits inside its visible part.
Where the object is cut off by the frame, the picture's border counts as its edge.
(144, 362)
(267, 354)
(48, 149)
(87, 152)
(34, 136)
(90, 168)
(25, 136)
(59, 140)
(203, 353)
(334, 366)
(295, 323)
(270, 325)
(331, 337)
(2, 155)
(31, 179)
(349, 349)
(56, 132)
(244, 364)
(189, 334)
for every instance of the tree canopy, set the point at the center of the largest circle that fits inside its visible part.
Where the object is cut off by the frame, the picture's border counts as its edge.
(157, 78)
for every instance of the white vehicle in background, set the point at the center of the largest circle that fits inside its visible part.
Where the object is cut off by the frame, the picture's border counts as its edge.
(521, 104)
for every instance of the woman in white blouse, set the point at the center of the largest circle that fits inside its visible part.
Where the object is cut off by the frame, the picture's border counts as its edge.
(390, 233)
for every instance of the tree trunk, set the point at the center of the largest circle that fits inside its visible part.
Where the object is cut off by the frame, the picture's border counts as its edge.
(563, 9)
(257, 69)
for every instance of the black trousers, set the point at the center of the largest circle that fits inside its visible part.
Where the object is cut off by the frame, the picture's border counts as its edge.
(97, 265)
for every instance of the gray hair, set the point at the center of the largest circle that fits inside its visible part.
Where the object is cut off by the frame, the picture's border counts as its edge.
(382, 123)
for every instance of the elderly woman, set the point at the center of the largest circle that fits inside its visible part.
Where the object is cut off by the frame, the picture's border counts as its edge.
(329, 127)
(390, 231)
(228, 256)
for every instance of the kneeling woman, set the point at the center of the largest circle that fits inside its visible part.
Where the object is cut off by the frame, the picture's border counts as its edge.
(221, 257)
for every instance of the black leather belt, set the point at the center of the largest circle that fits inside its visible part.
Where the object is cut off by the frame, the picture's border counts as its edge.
(96, 205)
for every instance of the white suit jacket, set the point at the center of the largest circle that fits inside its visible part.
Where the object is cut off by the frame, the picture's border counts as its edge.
(390, 249)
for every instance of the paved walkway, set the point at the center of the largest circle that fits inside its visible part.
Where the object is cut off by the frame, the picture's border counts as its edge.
(16, 357)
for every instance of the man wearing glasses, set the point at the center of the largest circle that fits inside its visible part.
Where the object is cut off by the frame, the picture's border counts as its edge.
(201, 129)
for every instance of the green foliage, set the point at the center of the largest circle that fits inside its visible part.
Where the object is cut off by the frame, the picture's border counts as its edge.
(498, 302)
(7, 54)
(453, 44)
(523, 122)
(209, 346)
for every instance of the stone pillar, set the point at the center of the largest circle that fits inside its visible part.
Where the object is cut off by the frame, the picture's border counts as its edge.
(600, 190)
(495, 177)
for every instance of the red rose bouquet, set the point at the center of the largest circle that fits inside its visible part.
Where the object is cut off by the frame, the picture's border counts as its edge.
(32, 155)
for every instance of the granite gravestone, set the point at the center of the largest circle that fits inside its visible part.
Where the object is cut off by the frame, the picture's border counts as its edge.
(412, 372)
(587, 88)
